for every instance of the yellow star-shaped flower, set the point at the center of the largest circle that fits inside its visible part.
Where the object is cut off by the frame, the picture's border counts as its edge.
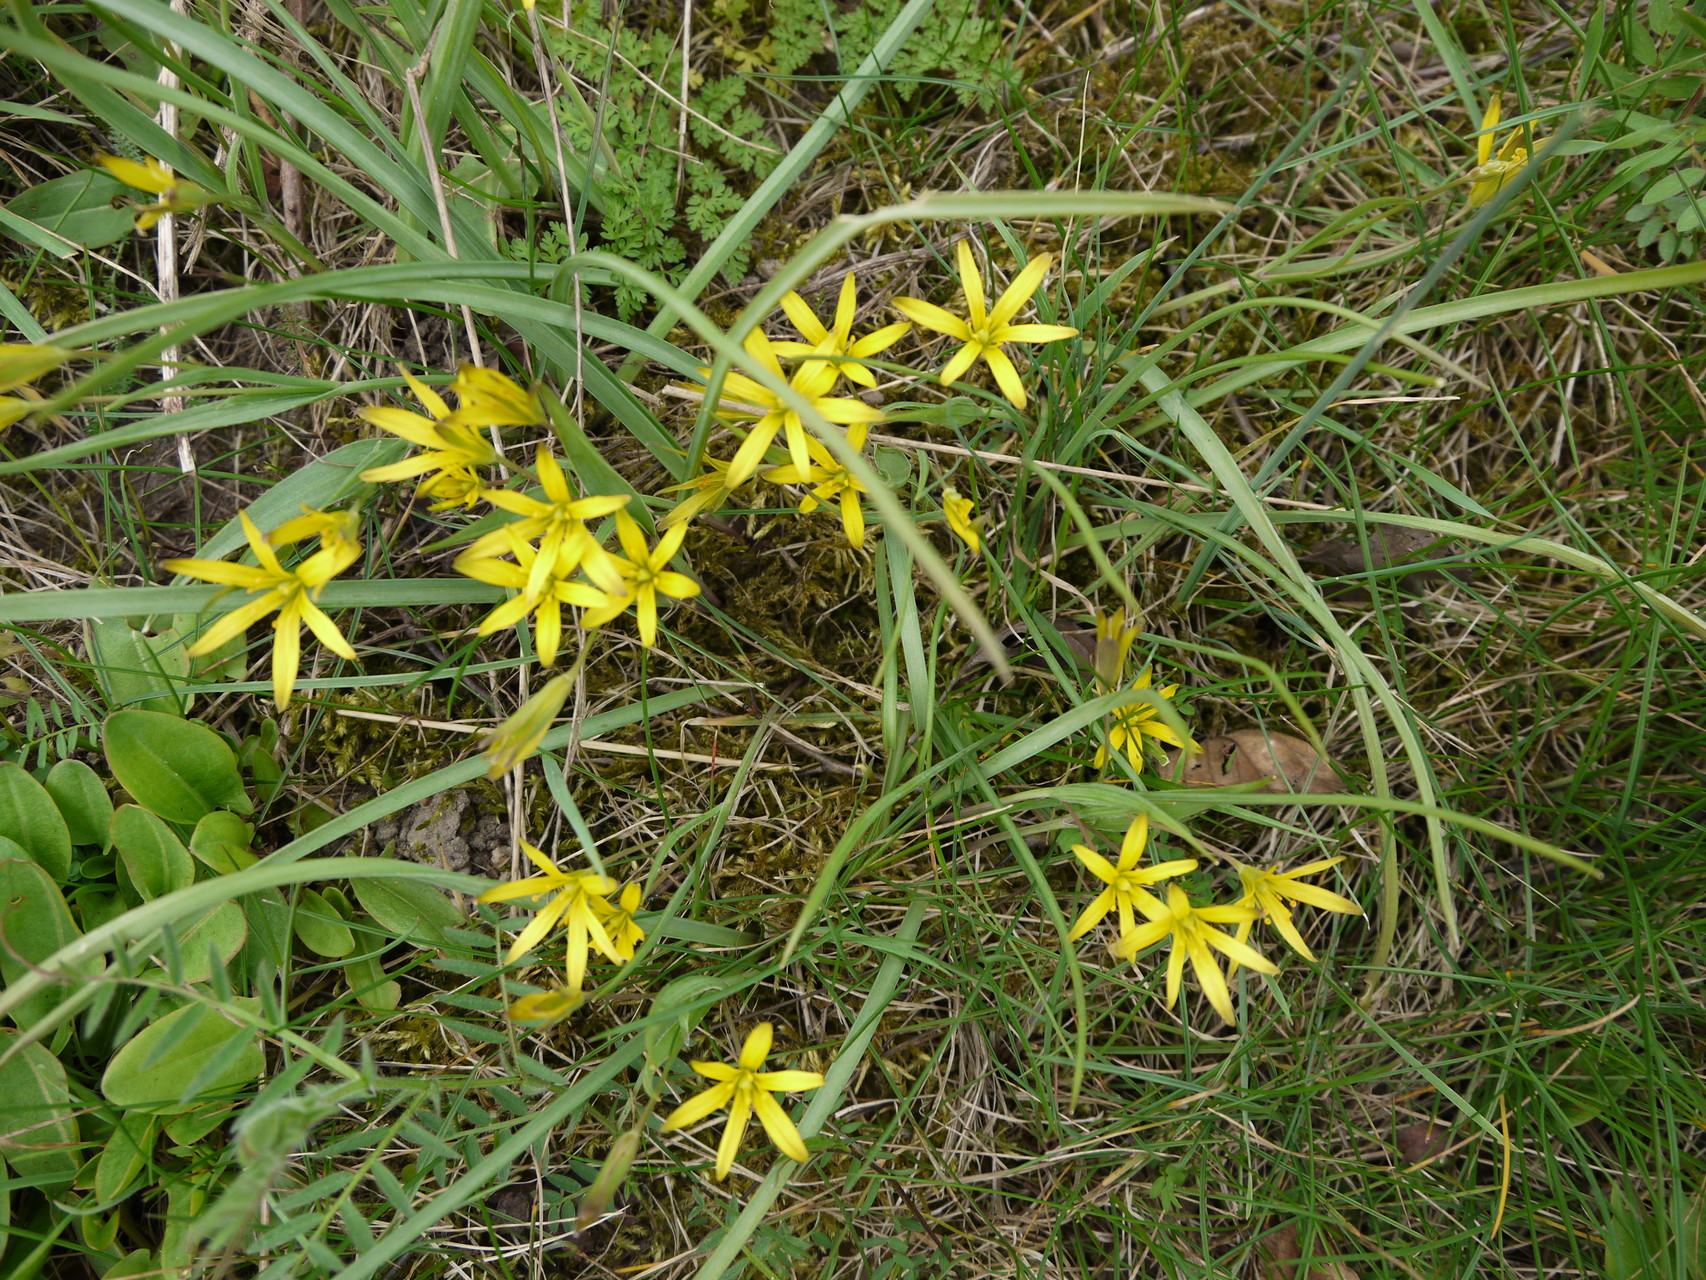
(831, 481)
(744, 1089)
(292, 592)
(578, 898)
(1127, 882)
(839, 340)
(1266, 888)
(556, 521)
(625, 933)
(1134, 723)
(454, 451)
(712, 490)
(637, 580)
(546, 602)
(813, 380)
(1492, 172)
(984, 332)
(1193, 935)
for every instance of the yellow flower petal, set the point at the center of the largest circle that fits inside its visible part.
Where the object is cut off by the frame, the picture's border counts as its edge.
(933, 317)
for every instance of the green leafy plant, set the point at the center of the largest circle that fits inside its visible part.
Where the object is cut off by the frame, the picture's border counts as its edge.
(666, 172)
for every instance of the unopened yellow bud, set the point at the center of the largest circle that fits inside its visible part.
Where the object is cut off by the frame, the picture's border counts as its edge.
(519, 737)
(958, 510)
(602, 1193)
(547, 1006)
(1113, 642)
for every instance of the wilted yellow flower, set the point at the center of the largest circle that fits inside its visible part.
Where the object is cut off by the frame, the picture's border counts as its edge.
(157, 179)
(1113, 642)
(1491, 173)
(812, 380)
(546, 604)
(1127, 882)
(1132, 724)
(1266, 888)
(292, 592)
(556, 522)
(958, 510)
(454, 449)
(713, 489)
(22, 363)
(637, 580)
(744, 1089)
(519, 736)
(1192, 933)
(839, 340)
(984, 332)
(546, 1006)
(832, 481)
(578, 899)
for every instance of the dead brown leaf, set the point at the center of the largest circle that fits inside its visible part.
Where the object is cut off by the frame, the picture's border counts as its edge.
(1286, 764)
(1421, 1141)
(1387, 546)
(1278, 1253)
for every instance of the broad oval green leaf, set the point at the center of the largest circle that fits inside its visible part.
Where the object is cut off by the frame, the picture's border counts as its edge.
(77, 207)
(83, 801)
(268, 916)
(176, 768)
(34, 923)
(221, 931)
(29, 816)
(38, 1126)
(151, 852)
(320, 927)
(221, 840)
(137, 667)
(408, 911)
(123, 1158)
(191, 1048)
